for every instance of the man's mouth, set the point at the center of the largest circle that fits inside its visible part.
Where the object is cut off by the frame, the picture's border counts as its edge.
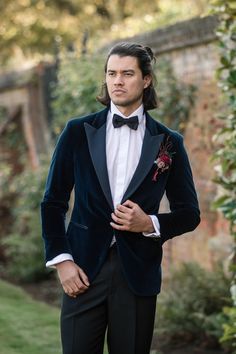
(118, 91)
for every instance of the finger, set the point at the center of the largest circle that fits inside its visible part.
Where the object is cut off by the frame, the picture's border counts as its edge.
(75, 284)
(81, 287)
(121, 215)
(118, 220)
(76, 287)
(71, 286)
(125, 216)
(128, 203)
(123, 209)
(74, 295)
(124, 220)
(68, 290)
(119, 227)
(83, 277)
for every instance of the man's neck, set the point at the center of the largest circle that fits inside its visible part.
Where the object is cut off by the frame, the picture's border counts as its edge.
(127, 111)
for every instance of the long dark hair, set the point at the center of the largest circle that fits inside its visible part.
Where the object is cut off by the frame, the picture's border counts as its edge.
(145, 59)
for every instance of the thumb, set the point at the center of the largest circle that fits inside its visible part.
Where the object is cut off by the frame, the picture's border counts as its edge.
(83, 276)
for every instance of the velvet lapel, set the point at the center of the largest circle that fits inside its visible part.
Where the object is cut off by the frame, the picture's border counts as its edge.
(96, 136)
(151, 145)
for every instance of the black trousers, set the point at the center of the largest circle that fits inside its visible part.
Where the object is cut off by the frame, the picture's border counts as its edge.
(109, 305)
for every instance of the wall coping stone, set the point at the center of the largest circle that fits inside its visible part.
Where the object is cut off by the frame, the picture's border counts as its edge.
(16, 79)
(193, 32)
(21, 78)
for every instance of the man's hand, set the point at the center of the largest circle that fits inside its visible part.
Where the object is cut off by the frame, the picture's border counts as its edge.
(130, 217)
(73, 279)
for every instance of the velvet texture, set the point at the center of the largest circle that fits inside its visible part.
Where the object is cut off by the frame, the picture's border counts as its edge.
(79, 162)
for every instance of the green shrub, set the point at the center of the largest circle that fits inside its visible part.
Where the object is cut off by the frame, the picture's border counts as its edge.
(229, 337)
(23, 245)
(225, 154)
(191, 307)
(79, 82)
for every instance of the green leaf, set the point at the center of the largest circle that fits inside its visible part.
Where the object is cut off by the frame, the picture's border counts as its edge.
(225, 62)
(220, 201)
(232, 77)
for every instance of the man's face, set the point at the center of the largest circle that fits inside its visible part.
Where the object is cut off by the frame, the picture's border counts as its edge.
(125, 82)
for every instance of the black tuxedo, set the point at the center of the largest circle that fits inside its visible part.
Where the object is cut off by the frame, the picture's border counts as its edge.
(79, 161)
(124, 282)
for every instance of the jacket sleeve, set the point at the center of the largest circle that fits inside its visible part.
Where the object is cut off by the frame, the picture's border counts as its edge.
(55, 202)
(184, 213)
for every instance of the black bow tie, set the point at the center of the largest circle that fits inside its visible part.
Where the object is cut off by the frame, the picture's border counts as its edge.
(118, 121)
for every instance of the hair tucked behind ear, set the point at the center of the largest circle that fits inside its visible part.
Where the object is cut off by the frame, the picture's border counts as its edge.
(146, 59)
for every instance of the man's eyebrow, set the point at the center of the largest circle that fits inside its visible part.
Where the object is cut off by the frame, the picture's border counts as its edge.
(123, 71)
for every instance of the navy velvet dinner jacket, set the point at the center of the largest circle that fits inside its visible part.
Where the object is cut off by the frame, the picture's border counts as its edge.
(79, 162)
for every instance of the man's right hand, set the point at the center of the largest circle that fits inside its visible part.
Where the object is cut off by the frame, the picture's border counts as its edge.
(73, 279)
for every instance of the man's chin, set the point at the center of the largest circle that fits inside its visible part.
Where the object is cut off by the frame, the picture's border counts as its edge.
(124, 103)
(120, 103)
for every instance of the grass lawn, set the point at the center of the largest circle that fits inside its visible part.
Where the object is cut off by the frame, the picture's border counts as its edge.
(27, 326)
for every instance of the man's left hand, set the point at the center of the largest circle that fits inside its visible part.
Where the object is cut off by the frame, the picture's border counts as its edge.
(130, 217)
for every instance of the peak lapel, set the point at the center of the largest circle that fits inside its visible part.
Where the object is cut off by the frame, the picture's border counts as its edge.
(97, 148)
(151, 145)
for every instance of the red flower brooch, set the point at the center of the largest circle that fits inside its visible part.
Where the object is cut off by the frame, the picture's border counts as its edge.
(163, 160)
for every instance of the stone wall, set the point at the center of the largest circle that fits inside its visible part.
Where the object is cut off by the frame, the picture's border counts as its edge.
(197, 65)
(24, 90)
(192, 49)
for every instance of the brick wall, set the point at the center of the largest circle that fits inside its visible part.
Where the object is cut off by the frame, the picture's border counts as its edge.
(210, 241)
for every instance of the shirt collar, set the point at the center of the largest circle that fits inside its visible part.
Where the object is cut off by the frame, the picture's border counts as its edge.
(138, 112)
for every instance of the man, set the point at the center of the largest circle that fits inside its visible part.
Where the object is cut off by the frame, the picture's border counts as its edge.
(119, 162)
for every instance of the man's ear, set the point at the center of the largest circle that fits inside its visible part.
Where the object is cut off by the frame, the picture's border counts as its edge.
(147, 81)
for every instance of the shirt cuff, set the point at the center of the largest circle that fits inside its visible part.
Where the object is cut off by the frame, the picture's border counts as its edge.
(156, 225)
(58, 259)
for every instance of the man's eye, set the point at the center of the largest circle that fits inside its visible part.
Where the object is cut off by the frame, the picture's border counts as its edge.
(111, 74)
(128, 74)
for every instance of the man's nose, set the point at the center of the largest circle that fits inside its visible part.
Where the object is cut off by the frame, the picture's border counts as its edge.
(118, 80)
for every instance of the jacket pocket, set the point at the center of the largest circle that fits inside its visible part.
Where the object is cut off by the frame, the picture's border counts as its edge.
(79, 225)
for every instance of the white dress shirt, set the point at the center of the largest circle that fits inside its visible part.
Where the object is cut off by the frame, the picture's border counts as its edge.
(123, 151)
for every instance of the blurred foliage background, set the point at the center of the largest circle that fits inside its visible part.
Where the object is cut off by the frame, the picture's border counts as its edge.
(225, 139)
(197, 305)
(33, 29)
